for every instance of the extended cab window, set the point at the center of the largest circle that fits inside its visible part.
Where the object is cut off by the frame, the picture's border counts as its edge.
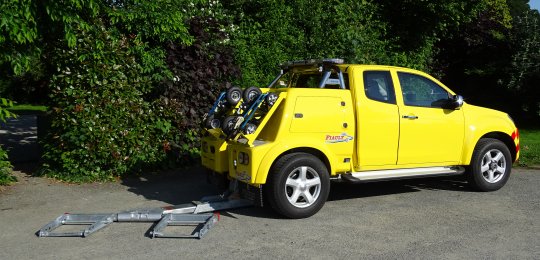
(422, 92)
(312, 80)
(306, 80)
(378, 86)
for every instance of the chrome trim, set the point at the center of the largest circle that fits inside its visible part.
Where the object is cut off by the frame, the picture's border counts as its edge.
(410, 117)
(458, 102)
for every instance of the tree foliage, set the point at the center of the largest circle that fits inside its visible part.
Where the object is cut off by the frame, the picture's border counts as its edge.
(267, 33)
(100, 61)
(524, 69)
(129, 80)
(201, 71)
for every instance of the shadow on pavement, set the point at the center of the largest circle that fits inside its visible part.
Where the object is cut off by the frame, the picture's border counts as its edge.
(19, 137)
(344, 191)
(185, 186)
(28, 168)
(172, 187)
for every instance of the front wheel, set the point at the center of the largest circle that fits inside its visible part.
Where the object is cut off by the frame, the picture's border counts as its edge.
(490, 165)
(298, 185)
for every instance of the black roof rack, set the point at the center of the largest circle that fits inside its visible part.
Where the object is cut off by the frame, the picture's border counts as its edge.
(311, 62)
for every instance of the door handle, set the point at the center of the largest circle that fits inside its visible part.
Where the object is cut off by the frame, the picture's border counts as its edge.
(410, 117)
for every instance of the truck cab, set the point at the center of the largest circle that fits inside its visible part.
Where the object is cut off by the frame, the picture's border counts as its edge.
(359, 123)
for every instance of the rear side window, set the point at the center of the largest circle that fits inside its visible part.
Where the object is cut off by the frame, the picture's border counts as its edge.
(313, 80)
(378, 86)
(306, 80)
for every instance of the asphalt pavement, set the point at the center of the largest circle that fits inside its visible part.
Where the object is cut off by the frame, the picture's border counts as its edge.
(20, 138)
(423, 218)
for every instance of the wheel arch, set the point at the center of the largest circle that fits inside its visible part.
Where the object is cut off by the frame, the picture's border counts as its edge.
(506, 139)
(309, 150)
(501, 136)
(264, 170)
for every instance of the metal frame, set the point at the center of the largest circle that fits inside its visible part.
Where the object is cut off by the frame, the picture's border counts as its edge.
(202, 223)
(216, 105)
(190, 214)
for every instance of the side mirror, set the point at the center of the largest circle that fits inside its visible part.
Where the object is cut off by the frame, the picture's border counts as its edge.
(457, 102)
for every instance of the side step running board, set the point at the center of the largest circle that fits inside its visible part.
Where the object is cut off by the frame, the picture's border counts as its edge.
(367, 176)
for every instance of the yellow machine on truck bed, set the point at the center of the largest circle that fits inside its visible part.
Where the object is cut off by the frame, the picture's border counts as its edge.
(322, 119)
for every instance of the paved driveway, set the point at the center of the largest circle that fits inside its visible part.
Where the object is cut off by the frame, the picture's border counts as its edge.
(423, 218)
(19, 137)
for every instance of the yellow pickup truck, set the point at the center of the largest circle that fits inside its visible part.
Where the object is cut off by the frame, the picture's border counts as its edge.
(323, 120)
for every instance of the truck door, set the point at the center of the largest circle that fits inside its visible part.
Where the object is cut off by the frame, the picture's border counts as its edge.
(377, 120)
(429, 134)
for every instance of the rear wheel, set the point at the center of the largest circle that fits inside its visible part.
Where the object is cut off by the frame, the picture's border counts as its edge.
(490, 165)
(298, 185)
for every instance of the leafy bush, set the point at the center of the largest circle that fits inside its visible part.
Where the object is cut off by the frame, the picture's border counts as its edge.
(200, 71)
(5, 165)
(5, 169)
(102, 126)
(128, 81)
(267, 33)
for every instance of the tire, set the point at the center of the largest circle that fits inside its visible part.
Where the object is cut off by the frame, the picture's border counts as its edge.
(212, 122)
(250, 94)
(233, 96)
(491, 165)
(228, 124)
(298, 185)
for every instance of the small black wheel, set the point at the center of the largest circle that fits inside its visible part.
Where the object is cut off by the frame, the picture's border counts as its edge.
(234, 95)
(298, 185)
(212, 122)
(271, 99)
(228, 124)
(491, 164)
(250, 94)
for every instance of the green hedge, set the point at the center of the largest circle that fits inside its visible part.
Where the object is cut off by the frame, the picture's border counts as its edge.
(114, 114)
(127, 82)
(5, 169)
(102, 125)
(5, 166)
